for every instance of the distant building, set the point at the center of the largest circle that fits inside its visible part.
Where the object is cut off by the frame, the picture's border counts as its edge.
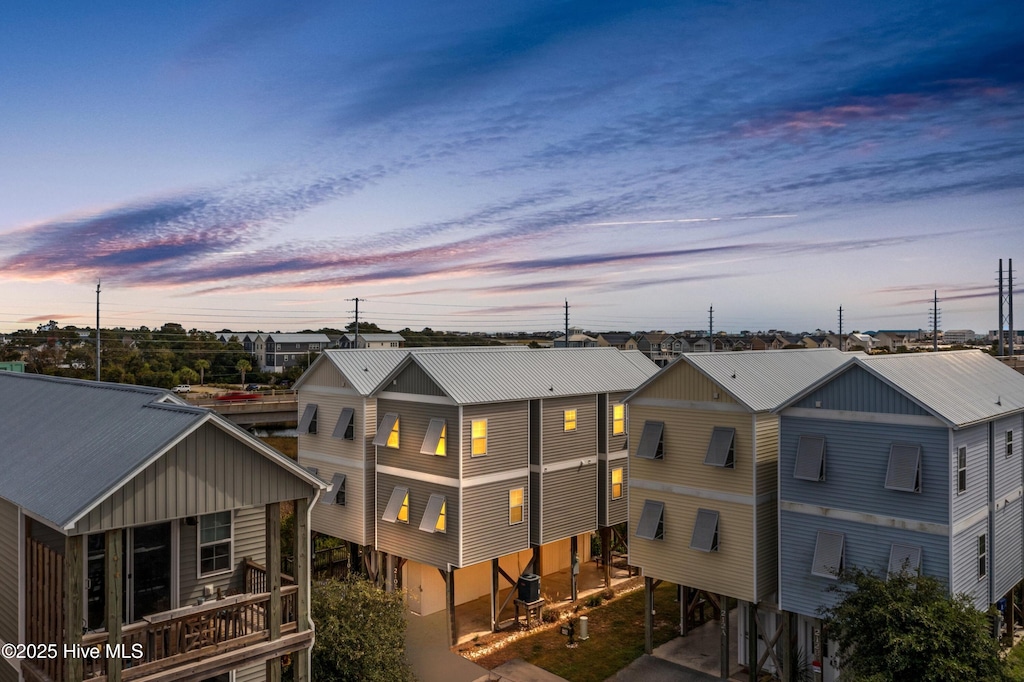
(387, 340)
(282, 351)
(960, 336)
(12, 366)
(577, 339)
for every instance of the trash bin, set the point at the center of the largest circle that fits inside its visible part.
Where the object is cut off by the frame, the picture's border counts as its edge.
(584, 628)
(529, 587)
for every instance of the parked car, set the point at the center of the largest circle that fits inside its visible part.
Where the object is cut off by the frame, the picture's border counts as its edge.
(252, 387)
(182, 388)
(239, 395)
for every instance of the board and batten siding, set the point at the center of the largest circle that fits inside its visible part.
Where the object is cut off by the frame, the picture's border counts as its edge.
(728, 571)
(208, 471)
(413, 379)
(856, 390)
(865, 546)
(413, 420)
(406, 539)
(10, 557)
(569, 502)
(486, 531)
(559, 445)
(323, 374)
(248, 535)
(766, 442)
(508, 438)
(611, 512)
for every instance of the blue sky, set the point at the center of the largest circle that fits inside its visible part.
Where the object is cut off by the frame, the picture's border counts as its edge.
(472, 165)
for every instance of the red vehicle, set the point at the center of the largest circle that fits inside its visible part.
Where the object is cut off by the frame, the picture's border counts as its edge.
(239, 395)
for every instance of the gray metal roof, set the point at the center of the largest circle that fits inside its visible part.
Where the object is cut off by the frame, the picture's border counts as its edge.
(299, 338)
(498, 374)
(959, 387)
(68, 443)
(763, 379)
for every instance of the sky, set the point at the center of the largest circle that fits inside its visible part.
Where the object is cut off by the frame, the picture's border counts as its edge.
(476, 165)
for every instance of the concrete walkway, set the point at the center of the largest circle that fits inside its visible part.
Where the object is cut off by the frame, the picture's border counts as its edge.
(426, 650)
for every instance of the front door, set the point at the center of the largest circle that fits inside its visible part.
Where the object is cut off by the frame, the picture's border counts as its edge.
(149, 570)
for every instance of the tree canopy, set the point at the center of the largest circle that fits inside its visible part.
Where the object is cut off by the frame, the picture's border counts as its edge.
(907, 627)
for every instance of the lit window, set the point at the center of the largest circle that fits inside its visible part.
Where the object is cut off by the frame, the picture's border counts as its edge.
(618, 419)
(479, 437)
(434, 517)
(961, 470)
(214, 543)
(982, 558)
(398, 506)
(387, 431)
(403, 512)
(515, 506)
(569, 420)
(435, 442)
(393, 436)
(616, 483)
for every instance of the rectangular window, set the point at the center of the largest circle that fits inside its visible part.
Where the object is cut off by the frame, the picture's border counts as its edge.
(335, 494)
(904, 559)
(345, 428)
(618, 419)
(515, 506)
(398, 506)
(436, 439)
(961, 470)
(982, 557)
(828, 554)
(705, 531)
(434, 517)
(651, 445)
(214, 543)
(810, 459)
(308, 422)
(616, 483)
(721, 448)
(652, 521)
(1009, 443)
(904, 472)
(387, 432)
(569, 420)
(479, 431)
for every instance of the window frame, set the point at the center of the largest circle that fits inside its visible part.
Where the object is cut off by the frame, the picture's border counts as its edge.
(435, 515)
(1009, 443)
(819, 560)
(618, 419)
(570, 419)
(200, 545)
(520, 505)
(614, 483)
(308, 422)
(474, 438)
(911, 552)
(982, 557)
(387, 429)
(334, 491)
(961, 470)
(705, 531)
(397, 502)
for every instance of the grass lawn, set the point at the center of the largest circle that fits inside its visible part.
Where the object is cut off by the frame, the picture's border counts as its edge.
(616, 639)
(1015, 663)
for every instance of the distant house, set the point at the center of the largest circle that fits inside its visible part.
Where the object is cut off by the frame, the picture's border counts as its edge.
(620, 340)
(577, 339)
(281, 351)
(127, 516)
(891, 339)
(387, 340)
(960, 336)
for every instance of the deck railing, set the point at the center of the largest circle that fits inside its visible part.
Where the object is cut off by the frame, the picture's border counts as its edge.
(256, 577)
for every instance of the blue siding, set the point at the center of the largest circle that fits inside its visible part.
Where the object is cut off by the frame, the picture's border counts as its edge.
(856, 459)
(1009, 530)
(965, 564)
(858, 391)
(1008, 470)
(976, 496)
(867, 546)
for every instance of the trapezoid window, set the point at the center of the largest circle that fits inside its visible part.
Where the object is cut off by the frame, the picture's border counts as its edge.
(828, 554)
(436, 440)
(652, 521)
(705, 531)
(308, 422)
(651, 443)
(904, 472)
(345, 428)
(722, 448)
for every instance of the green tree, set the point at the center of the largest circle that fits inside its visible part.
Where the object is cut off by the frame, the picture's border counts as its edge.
(909, 628)
(187, 375)
(243, 366)
(360, 632)
(201, 367)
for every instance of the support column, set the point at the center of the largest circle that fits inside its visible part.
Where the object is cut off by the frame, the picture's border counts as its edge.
(494, 595)
(302, 577)
(389, 586)
(788, 648)
(114, 609)
(574, 565)
(449, 584)
(648, 615)
(606, 554)
(752, 641)
(536, 560)
(73, 611)
(724, 612)
(273, 548)
(817, 649)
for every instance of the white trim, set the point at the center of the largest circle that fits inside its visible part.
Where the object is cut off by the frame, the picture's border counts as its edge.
(704, 406)
(487, 435)
(699, 493)
(497, 477)
(410, 475)
(611, 456)
(864, 417)
(965, 524)
(416, 398)
(200, 576)
(862, 517)
(562, 466)
(334, 460)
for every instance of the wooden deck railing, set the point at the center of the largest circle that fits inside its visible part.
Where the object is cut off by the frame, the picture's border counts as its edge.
(256, 577)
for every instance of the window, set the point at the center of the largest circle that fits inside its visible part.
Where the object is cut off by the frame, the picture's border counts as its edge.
(398, 506)
(335, 494)
(705, 531)
(828, 554)
(434, 517)
(1009, 443)
(618, 419)
(569, 420)
(810, 459)
(961, 470)
(904, 559)
(982, 557)
(387, 432)
(651, 525)
(616, 483)
(435, 442)
(515, 506)
(479, 431)
(721, 449)
(308, 422)
(345, 428)
(904, 471)
(651, 445)
(214, 543)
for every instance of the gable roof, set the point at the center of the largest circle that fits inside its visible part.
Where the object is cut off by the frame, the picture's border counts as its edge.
(298, 338)
(499, 374)
(70, 443)
(761, 380)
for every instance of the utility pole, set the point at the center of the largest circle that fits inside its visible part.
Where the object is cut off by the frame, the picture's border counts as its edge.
(1009, 297)
(935, 320)
(1002, 318)
(711, 327)
(566, 323)
(842, 341)
(97, 330)
(355, 340)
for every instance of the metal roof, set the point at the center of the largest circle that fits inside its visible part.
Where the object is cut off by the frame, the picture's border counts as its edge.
(498, 374)
(68, 443)
(762, 379)
(959, 387)
(299, 338)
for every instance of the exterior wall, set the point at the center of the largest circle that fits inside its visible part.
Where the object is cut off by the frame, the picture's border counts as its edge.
(558, 445)
(413, 379)
(413, 420)
(965, 564)
(975, 498)
(508, 433)
(10, 560)
(611, 512)
(683, 381)
(248, 540)
(253, 673)
(568, 503)
(209, 470)
(1008, 517)
(856, 390)
(406, 539)
(620, 441)
(486, 532)
(564, 475)
(971, 515)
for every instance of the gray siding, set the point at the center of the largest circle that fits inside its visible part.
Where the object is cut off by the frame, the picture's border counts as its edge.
(611, 512)
(9, 570)
(569, 503)
(965, 564)
(536, 491)
(370, 482)
(248, 533)
(210, 470)
(560, 445)
(406, 539)
(486, 532)
(858, 391)
(7, 672)
(866, 546)
(253, 673)
(976, 496)
(856, 460)
(347, 521)
(413, 379)
(508, 433)
(619, 442)
(413, 419)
